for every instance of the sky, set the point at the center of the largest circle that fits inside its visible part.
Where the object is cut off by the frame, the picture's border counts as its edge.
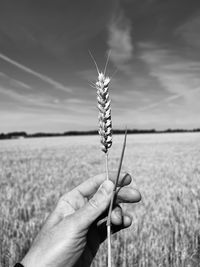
(46, 70)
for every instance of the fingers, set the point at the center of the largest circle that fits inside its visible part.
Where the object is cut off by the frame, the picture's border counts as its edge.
(76, 199)
(95, 206)
(90, 186)
(98, 204)
(119, 221)
(127, 221)
(117, 216)
(128, 195)
(120, 217)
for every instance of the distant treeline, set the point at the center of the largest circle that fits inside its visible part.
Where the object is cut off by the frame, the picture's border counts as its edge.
(19, 135)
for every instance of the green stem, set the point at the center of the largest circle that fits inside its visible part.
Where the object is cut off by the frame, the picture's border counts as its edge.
(108, 224)
(116, 181)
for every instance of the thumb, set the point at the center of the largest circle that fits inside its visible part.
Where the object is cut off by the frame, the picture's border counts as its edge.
(96, 205)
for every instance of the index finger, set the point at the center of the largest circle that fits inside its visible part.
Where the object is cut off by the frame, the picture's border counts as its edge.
(91, 185)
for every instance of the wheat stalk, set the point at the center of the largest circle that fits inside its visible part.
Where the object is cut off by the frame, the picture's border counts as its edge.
(105, 132)
(105, 127)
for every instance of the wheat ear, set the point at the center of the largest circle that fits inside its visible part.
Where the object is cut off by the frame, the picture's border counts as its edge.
(103, 103)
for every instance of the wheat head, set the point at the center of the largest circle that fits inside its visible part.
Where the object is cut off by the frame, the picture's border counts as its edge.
(103, 104)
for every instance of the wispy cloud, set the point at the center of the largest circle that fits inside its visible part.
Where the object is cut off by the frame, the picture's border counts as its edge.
(33, 101)
(120, 41)
(13, 95)
(44, 78)
(45, 102)
(178, 77)
(13, 82)
(170, 99)
(20, 84)
(189, 31)
(2, 74)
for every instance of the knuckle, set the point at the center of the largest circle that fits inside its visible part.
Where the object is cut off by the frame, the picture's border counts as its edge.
(93, 202)
(103, 192)
(64, 197)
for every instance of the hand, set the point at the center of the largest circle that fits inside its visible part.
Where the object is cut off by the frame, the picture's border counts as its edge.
(75, 229)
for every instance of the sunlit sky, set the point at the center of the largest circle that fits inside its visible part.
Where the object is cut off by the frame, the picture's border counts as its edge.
(46, 69)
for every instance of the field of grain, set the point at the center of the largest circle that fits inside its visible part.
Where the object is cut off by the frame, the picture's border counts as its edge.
(165, 167)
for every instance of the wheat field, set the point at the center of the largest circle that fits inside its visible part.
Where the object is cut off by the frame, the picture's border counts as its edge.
(166, 170)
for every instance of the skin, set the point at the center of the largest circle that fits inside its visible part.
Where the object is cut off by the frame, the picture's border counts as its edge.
(75, 229)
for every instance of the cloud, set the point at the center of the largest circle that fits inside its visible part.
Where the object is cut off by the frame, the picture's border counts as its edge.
(20, 84)
(178, 77)
(19, 97)
(44, 78)
(190, 31)
(39, 101)
(3, 74)
(120, 41)
(13, 82)
(171, 99)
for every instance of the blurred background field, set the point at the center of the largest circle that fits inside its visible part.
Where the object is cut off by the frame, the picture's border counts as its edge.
(166, 170)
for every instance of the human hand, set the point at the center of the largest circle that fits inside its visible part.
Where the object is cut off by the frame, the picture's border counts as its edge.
(75, 229)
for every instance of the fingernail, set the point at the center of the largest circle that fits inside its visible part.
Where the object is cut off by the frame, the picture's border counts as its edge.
(118, 213)
(107, 186)
(127, 175)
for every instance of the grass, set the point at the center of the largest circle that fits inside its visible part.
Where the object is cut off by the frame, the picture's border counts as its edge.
(165, 167)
